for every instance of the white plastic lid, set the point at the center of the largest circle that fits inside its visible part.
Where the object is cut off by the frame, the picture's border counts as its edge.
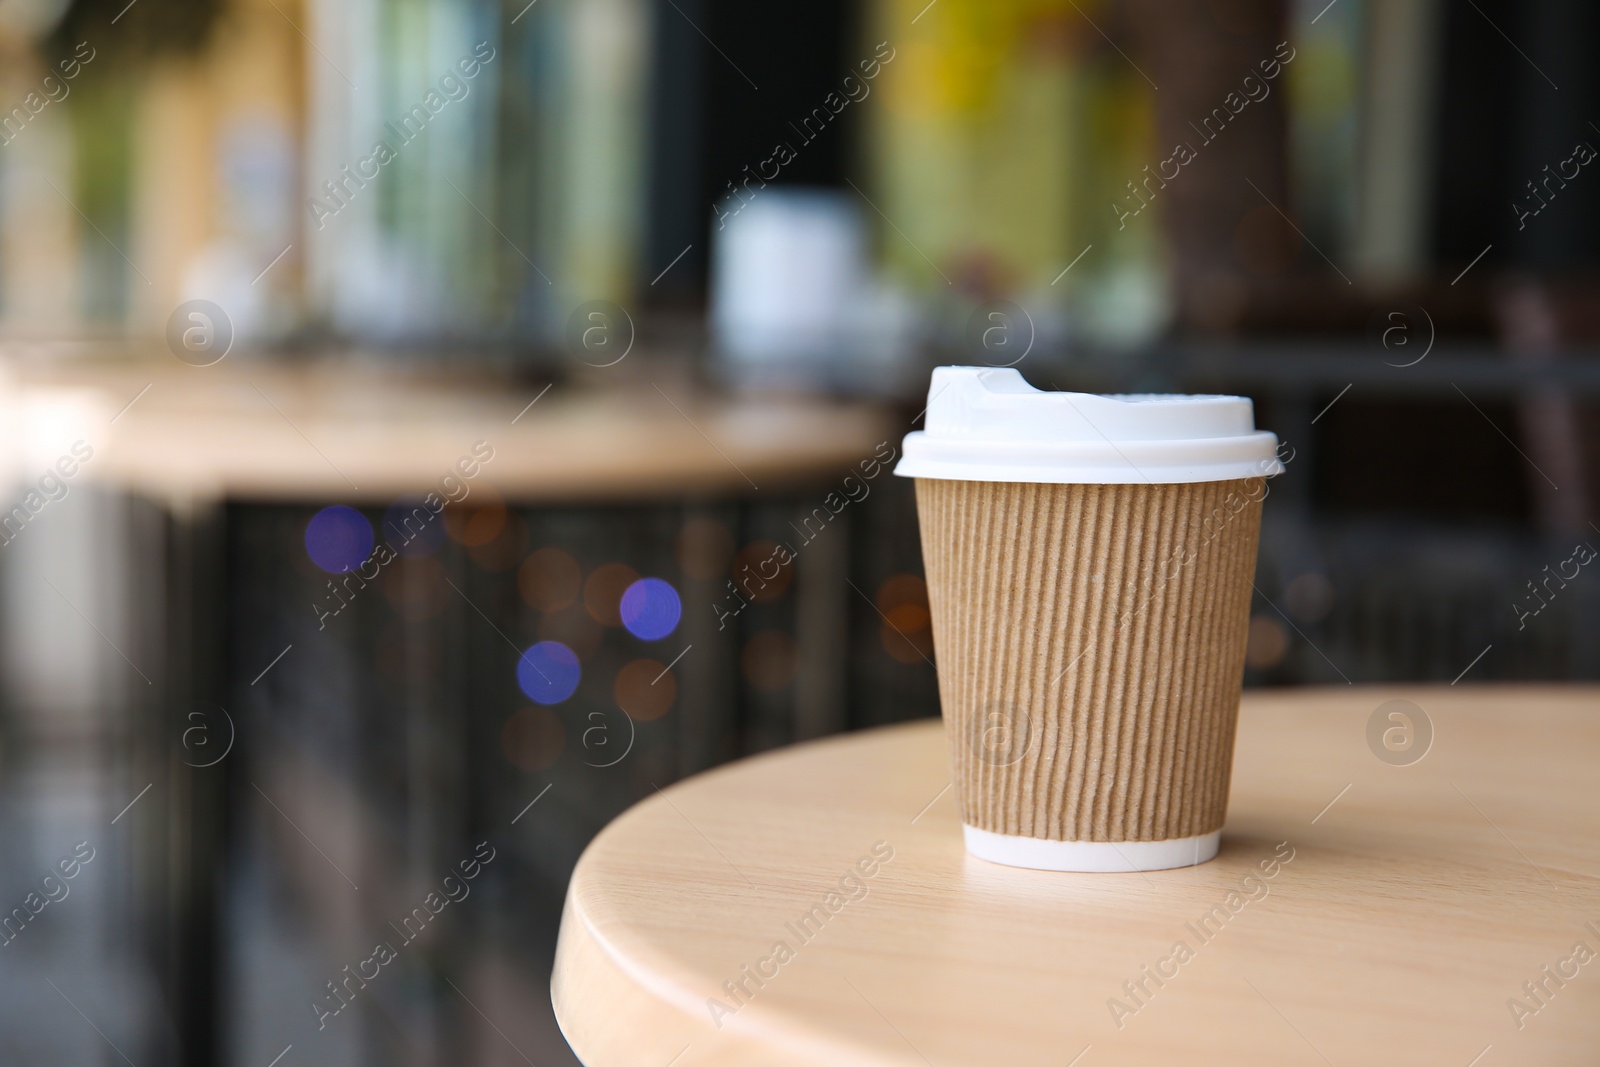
(989, 425)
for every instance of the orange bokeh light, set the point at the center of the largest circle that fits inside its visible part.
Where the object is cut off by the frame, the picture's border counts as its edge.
(759, 573)
(479, 518)
(602, 593)
(504, 551)
(905, 634)
(645, 689)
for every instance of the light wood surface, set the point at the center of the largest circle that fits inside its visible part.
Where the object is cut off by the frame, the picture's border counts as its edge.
(363, 434)
(1419, 899)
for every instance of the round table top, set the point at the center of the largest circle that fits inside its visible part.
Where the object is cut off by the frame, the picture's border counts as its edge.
(366, 434)
(1361, 911)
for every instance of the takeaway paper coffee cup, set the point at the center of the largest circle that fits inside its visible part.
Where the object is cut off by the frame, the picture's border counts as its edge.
(1089, 563)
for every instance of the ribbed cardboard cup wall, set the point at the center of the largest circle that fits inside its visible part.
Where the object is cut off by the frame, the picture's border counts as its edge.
(1090, 647)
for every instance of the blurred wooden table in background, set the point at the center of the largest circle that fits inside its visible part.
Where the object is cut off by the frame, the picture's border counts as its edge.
(358, 433)
(160, 555)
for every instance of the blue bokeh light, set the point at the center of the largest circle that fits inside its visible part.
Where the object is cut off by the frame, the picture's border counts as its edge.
(338, 539)
(651, 609)
(548, 672)
(412, 529)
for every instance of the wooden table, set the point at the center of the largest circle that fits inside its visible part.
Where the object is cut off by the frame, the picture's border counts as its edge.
(1406, 907)
(365, 434)
(355, 431)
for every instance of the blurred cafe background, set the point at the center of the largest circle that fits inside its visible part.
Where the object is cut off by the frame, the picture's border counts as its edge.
(430, 426)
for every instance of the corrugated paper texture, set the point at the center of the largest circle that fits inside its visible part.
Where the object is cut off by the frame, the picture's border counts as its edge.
(1090, 645)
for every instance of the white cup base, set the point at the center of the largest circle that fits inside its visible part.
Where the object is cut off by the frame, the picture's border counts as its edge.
(1091, 856)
